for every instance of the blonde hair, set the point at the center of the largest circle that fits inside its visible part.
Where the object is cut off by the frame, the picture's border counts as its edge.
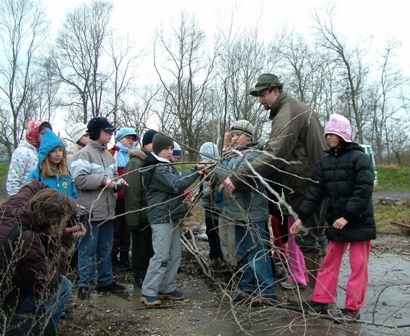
(46, 169)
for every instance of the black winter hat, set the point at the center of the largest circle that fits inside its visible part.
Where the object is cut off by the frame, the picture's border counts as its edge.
(160, 142)
(148, 135)
(96, 124)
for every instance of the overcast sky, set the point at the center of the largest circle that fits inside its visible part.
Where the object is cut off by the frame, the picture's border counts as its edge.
(356, 18)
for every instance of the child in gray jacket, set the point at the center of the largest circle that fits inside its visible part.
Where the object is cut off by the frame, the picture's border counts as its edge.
(165, 186)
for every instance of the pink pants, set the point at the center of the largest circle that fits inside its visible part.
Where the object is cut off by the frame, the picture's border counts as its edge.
(296, 261)
(328, 275)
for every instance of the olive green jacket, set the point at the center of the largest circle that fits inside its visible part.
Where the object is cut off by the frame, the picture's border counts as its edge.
(296, 145)
(135, 195)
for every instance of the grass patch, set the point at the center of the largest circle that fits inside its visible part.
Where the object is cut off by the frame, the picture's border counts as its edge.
(393, 177)
(384, 214)
(4, 169)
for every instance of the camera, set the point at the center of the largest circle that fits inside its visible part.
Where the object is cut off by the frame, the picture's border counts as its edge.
(80, 216)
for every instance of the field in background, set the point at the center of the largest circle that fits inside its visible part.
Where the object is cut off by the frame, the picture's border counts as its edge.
(393, 177)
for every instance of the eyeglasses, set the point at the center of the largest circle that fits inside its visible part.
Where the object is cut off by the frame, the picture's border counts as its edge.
(262, 94)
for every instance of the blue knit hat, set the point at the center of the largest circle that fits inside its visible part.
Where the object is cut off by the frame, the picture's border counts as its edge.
(148, 136)
(209, 151)
(125, 131)
(177, 149)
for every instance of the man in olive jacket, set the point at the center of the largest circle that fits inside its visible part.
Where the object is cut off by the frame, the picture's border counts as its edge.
(295, 145)
(135, 207)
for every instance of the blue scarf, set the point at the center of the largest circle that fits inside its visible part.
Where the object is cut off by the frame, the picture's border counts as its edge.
(123, 154)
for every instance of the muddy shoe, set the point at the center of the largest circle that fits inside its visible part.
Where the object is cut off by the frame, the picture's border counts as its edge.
(288, 285)
(113, 287)
(83, 293)
(316, 308)
(150, 300)
(215, 262)
(174, 295)
(346, 315)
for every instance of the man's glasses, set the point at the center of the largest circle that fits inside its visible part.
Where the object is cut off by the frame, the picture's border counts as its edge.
(262, 94)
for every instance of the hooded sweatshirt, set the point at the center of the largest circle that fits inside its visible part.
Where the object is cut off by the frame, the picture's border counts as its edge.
(63, 183)
(24, 158)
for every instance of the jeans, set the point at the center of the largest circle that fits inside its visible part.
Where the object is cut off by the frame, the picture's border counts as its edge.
(53, 303)
(95, 248)
(257, 270)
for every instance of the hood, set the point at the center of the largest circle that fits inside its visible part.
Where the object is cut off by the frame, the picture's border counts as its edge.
(48, 143)
(137, 153)
(252, 144)
(153, 159)
(74, 149)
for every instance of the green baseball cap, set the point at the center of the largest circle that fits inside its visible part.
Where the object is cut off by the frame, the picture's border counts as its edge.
(266, 81)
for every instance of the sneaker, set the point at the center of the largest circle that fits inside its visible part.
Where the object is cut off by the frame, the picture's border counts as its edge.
(174, 295)
(202, 236)
(316, 308)
(269, 299)
(83, 293)
(113, 287)
(288, 285)
(346, 315)
(150, 300)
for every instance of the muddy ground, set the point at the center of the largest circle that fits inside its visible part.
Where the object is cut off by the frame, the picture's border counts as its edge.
(208, 310)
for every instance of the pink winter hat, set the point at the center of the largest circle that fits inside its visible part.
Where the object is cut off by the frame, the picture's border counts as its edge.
(340, 126)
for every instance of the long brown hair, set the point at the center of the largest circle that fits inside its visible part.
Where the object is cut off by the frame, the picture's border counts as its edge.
(47, 171)
(51, 207)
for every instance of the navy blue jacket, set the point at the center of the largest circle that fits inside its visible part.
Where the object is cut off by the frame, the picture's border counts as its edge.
(346, 177)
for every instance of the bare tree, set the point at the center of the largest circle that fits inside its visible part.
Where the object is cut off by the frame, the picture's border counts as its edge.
(23, 30)
(387, 105)
(353, 71)
(243, 58)
(78, 58)
(185, 73)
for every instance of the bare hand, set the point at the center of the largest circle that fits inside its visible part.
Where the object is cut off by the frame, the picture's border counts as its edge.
(77, 230)
(200, 166)
(110, 183)
(340, 223)
(295, 228)
(228, 185)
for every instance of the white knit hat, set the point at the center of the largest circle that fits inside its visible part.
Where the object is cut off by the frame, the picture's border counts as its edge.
(77, 131)
(243, 126)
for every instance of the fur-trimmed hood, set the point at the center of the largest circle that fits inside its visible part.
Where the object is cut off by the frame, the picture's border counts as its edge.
(138, 153)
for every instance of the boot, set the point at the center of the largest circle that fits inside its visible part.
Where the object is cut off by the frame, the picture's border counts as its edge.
(312, 262)
(125, 261)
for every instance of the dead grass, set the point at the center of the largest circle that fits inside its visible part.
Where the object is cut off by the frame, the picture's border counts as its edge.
(385, 214)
